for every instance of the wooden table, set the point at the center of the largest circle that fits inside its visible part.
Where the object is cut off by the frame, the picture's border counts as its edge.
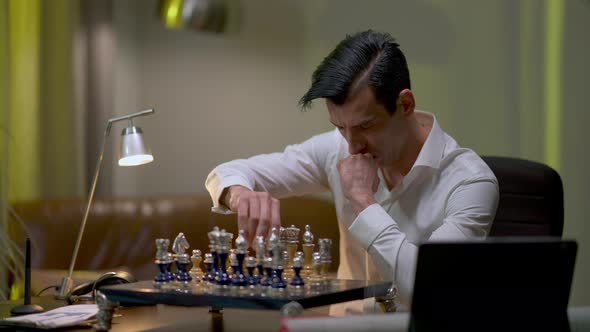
(177, 318)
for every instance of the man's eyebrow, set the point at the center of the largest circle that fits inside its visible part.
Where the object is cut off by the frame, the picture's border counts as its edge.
(372, 118)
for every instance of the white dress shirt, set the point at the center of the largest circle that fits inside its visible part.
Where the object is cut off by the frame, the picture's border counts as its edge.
(448, 194)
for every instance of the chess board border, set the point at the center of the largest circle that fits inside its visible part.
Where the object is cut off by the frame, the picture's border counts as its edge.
(144, 293)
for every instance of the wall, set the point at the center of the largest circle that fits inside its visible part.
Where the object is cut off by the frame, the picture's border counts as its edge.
(482, 67)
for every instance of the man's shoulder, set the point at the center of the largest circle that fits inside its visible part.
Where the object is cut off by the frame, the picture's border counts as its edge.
(466, 162)
(331, 140)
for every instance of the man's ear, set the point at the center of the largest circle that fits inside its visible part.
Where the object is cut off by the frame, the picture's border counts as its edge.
(407, 101)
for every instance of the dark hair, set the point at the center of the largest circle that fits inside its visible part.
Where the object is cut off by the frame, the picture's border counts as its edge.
(365, 58)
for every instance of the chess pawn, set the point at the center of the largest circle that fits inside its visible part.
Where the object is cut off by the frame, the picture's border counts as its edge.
(210, 274)
(316, 279)
(228, 265)
(267, 280)
(308, 251)
(239, 279)
(233, 264)
(252, 280)
(182, 262)
(297, 281)
(196, 273)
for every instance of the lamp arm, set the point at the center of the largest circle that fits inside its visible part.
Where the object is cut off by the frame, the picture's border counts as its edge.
(132, 115)
(68, 283)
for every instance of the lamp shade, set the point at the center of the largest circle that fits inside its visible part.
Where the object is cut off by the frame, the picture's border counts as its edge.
(134, 151)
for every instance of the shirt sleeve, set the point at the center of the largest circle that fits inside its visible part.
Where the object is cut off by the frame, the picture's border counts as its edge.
(469, 213)
(298, 170)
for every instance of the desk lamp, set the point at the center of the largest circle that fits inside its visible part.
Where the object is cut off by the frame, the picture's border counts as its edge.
(133, 152)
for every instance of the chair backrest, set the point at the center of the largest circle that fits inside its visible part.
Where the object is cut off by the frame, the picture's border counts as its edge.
(531, 198)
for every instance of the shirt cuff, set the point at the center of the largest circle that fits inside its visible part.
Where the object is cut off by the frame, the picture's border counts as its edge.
(371, 222)
(215, 186)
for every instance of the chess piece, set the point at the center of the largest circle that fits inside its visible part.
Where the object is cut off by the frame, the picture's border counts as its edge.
(291, 236)
(223, 242)
(240, 252)
(388, 302)
(182, 263)
(297, 281)
(210, 274)
(106, 308)
(260, 256)
(325, 251)
(163, 261)
(278, 266)
(180, 244)
(196, 273)
(267, 280)
(308, 251)
(231, 263)
(213, 237)
(182, 259)
(273, 240)
(316, 279)
(252, 280)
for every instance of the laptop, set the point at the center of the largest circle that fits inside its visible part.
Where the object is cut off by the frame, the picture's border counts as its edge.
(500, 284)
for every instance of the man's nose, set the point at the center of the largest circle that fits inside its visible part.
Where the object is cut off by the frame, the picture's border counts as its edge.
(356, 144)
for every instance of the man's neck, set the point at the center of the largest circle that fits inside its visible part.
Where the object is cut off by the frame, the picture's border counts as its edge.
(417, 137)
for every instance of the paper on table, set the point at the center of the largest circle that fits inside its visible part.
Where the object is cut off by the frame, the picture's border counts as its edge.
(60, 317)
(383, 322)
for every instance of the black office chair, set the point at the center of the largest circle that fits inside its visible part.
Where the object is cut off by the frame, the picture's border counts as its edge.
(531, 198)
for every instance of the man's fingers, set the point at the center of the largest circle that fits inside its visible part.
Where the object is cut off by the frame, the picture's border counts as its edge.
(265, 216)
(243, 209)
(276, 213)
(253, 218)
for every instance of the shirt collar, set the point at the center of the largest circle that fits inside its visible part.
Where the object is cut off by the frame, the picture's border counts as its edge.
(432, 151)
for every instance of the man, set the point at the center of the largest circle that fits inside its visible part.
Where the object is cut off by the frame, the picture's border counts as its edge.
(397, 179)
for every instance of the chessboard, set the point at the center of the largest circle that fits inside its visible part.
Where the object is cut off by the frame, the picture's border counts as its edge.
(338, 290)
(276, 276)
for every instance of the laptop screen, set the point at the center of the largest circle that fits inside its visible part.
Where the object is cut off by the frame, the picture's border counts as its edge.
(492, 281)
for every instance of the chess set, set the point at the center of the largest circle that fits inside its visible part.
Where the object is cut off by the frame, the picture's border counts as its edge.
(277, 276)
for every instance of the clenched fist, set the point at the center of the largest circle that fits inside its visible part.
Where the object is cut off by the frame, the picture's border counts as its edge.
(359, 180)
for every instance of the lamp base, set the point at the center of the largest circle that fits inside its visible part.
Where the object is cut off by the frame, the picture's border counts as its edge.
(66, 287)
(25, 309)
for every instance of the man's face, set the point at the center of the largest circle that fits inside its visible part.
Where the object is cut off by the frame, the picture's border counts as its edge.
(369, 128)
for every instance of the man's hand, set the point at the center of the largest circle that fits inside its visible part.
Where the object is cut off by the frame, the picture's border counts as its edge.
(359, 180)
(257, 211)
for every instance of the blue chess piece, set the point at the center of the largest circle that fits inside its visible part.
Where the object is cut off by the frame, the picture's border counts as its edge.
(250, 266)
(297, 281)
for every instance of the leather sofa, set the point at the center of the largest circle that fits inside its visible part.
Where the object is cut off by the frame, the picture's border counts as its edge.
(120, 233)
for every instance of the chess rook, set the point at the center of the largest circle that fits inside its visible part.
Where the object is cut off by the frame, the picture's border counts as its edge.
(163, 261)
